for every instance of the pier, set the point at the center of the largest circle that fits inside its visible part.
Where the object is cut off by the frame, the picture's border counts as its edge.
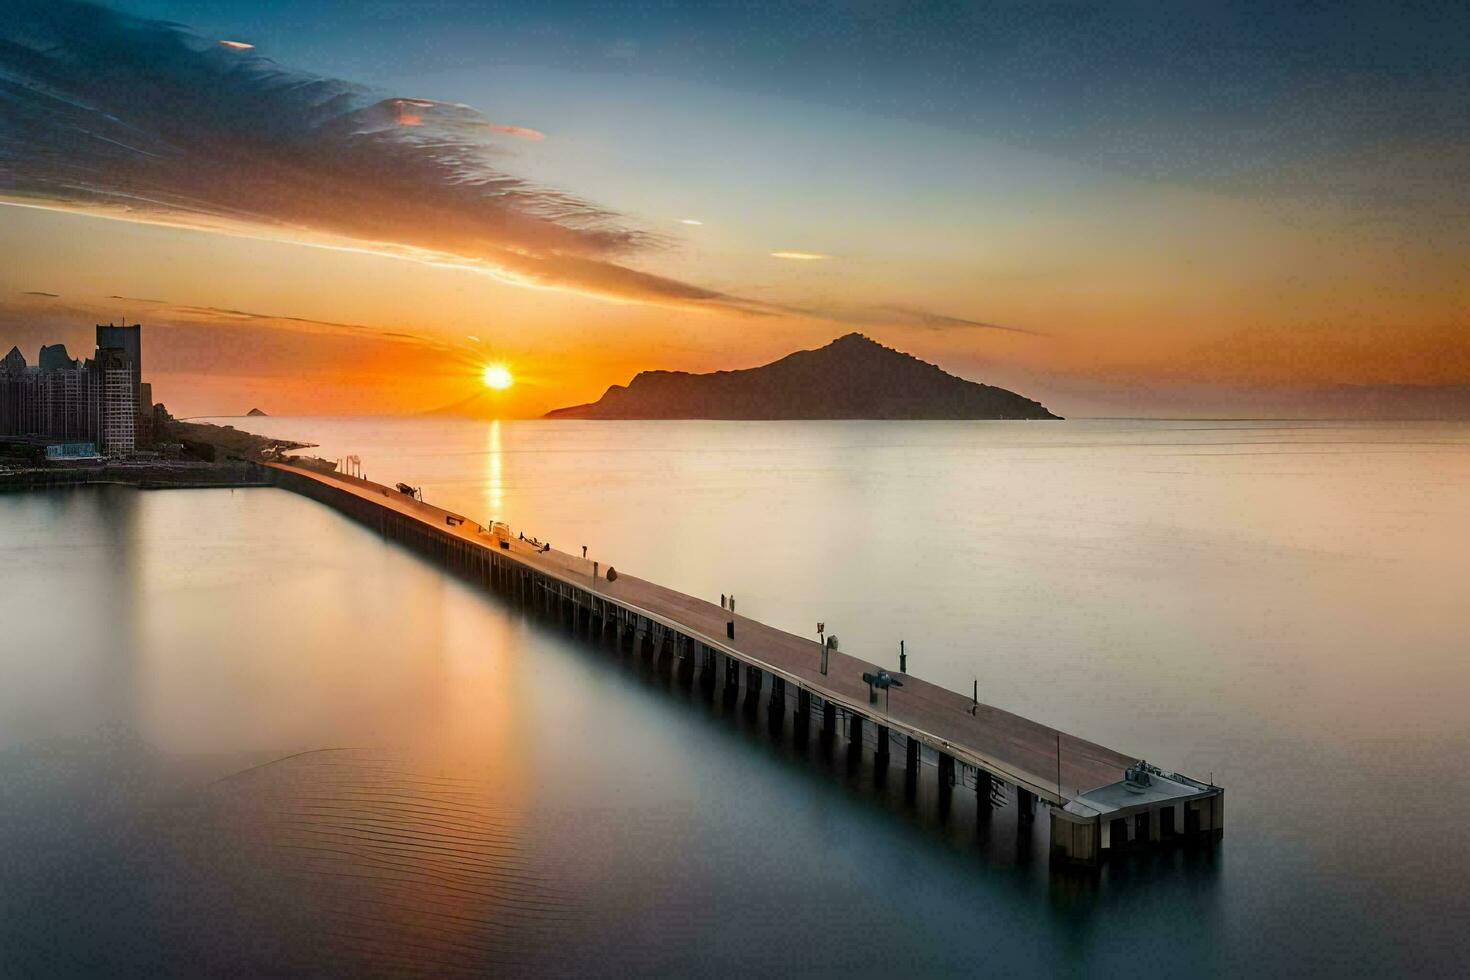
(1101, 802)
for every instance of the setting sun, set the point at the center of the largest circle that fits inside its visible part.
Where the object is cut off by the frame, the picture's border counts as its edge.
(497, 376)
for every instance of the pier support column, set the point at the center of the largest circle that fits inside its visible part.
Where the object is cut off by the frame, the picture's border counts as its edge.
(1075, 839)
(1025, 805)
(946, 782)
(911, 769)
(684, 670)
(983, 802)
(855, 729)
(829, 719)
(882, 753)
(753, 680)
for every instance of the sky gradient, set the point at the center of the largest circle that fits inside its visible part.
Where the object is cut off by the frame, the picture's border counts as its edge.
(1156, 209)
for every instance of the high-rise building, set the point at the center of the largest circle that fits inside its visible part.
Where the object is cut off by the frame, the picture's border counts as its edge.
(63, 401)
(118, 433)
(128, 339)
(55, 358)
(13, 363)
(147, 434)
(102, 399)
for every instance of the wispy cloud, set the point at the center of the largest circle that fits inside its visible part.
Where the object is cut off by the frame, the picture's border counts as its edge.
(104, 112)
(37, 292)
(521, 132)
(800, 256)
(912, 316)
(237, 45)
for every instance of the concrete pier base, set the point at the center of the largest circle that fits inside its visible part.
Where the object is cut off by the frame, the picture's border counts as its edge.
(1074, 839)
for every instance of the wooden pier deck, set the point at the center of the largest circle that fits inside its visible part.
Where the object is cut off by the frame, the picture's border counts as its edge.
(1094, 808)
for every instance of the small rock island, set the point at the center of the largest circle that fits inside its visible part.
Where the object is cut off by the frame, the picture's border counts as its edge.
(853, 377)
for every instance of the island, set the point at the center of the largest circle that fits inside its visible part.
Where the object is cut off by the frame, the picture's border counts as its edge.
(853, 377)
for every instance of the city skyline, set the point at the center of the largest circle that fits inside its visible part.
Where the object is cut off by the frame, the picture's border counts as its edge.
(368, 209)
(81, 407)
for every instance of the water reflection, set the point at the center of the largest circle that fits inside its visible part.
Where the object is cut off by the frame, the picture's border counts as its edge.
(494, 476)
(463, 763)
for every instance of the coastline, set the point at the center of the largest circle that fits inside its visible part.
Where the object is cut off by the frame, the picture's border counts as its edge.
(217, 457)
(143, 476)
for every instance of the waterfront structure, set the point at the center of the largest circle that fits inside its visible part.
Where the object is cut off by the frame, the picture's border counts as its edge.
(1102, 802)
(72, 451)
(102, 400)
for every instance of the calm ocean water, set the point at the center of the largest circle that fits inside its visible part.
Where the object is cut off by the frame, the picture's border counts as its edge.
(239, 733)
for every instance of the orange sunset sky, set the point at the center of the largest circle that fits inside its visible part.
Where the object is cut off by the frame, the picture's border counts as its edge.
(354, 216)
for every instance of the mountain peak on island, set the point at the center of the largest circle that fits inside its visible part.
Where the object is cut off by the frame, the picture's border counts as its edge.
(852, 377)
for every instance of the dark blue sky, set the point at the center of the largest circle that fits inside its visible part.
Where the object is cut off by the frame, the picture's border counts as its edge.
(1212, 91)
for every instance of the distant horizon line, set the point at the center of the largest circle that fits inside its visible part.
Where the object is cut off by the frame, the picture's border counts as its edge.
(1070, 418)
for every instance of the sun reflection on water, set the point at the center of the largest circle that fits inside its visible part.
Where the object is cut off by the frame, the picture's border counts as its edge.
(494, 485)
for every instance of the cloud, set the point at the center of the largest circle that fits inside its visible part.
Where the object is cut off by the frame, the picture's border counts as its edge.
(103, 112)
(912, 316)
(37, 292)
(237, 45)
(800, 256)
(519, 131)
(690, 221)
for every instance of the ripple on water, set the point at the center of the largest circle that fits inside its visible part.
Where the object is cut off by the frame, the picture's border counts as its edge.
(389, 862)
